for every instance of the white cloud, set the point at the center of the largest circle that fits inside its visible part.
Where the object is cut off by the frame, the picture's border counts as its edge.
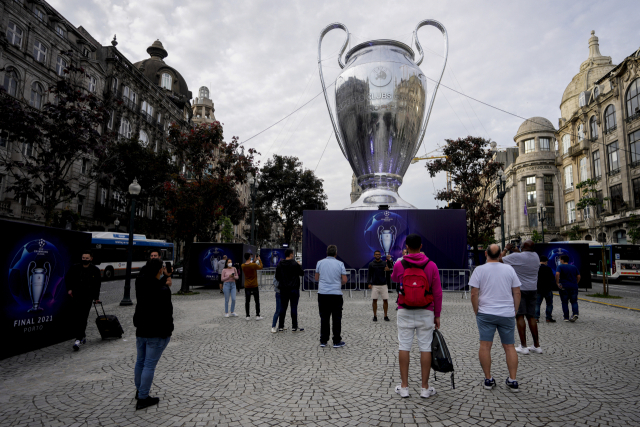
(257, 57)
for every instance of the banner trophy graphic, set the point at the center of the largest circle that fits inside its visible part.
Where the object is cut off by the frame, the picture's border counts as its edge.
(381, 113)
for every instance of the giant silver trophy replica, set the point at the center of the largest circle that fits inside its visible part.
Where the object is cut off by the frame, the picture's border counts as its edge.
(381, 111)
(38, 280)
(387, 238)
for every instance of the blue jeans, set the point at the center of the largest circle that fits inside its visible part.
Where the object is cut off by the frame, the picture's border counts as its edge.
(277, 313)
(566, 295)
(548, 298)
(149, 352)
(229, 289)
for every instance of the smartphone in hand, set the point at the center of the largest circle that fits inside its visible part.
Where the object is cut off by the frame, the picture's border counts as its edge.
(168, 267)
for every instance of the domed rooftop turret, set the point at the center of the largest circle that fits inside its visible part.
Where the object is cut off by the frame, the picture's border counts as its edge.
(534, 124)
(156, 70)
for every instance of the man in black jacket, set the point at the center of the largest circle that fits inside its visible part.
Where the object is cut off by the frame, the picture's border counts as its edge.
(377, 281)
(165, 277)
(288, 273)
(83, 284)
(546, 284)
(153, 320)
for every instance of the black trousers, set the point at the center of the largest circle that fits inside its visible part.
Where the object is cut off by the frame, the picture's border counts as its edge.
(330, 306)
(287, 296)
(247, 300)
(81, 309)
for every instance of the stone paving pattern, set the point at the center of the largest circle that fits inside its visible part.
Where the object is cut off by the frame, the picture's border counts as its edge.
(229, 372)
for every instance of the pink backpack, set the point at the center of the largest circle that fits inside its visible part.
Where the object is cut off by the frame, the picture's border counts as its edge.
(416, 292)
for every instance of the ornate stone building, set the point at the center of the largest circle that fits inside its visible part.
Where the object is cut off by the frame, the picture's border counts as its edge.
(356, 190)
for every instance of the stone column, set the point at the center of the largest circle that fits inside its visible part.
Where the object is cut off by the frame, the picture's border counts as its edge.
(557, 199)
(540, 194)
(521, 147)
(513, 203)
(536, 144)
(522, 193)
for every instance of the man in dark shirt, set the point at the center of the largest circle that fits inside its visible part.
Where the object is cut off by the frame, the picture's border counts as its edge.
(288, 273)
(546, 280)
(83, 286)
(388, 271)
(567, 279)
(376, 279)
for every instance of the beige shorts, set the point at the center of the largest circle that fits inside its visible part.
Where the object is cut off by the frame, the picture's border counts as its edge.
(418, 323)
(380, 292)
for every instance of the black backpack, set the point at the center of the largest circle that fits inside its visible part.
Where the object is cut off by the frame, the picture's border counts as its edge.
(440, 356)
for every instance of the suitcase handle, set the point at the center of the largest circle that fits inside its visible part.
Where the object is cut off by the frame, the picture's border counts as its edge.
(96, 308)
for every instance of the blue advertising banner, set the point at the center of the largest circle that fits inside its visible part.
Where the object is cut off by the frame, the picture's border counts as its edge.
(33, 296)
(205, 267)
(578, 254)
(358, 234)
(271, 257)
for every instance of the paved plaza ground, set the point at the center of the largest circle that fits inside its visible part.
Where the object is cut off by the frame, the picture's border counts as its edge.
(229, 372)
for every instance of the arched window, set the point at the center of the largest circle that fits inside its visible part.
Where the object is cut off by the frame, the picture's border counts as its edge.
(609, 119)
(588, 237)
(11, 82)
(593, 127)
(602, 238)
(125, 128)
(36, 95)
(39, 51)
(14, 34)
(166, 81)
(144, 138)
(633, 99)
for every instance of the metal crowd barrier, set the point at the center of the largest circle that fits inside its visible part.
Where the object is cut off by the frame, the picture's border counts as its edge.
(265, 278)
(455, 280)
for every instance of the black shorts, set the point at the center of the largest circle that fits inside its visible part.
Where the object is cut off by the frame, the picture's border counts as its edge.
(528, 301)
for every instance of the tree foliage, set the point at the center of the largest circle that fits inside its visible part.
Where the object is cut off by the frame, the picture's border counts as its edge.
(473, 173)
(48, 143)
(286, 189)
(634, 229)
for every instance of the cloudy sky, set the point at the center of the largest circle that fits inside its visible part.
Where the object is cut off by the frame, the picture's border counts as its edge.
(259, 59)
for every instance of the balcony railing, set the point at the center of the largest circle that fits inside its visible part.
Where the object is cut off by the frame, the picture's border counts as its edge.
(613, 172)
(5, 207)
(610, 130)
(633, 117)
(27, 211)
(129, 103)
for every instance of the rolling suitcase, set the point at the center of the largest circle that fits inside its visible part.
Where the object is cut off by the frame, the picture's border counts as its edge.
(108, 325)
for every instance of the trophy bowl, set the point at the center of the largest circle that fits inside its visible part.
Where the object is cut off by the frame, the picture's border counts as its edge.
(381, 113)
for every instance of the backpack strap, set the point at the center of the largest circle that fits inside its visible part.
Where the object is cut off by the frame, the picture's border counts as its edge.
(407, 264)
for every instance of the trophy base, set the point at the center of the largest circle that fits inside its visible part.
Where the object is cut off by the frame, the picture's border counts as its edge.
(372, 198)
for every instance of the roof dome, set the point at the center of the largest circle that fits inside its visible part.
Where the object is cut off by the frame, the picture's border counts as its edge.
(534, 124)
(591, 70)
(153, 68)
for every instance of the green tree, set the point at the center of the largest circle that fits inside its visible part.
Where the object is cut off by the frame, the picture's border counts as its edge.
(286, 189)
(536, 237)
(226, 229)
(634, 229)
(574, 233)
(469, 161)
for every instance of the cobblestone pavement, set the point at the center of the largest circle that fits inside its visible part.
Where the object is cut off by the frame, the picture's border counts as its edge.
(230, 372)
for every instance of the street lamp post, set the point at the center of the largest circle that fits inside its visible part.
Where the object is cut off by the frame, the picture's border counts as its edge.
(116, 223)
(252, 183)
(134, 190)
(501, 188)
(542, 217)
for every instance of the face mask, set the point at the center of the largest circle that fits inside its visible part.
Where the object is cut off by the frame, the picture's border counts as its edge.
(228, 264)
(85, 262)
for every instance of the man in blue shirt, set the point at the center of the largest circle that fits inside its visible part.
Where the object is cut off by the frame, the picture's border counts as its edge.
(567, 279)
(330, 275)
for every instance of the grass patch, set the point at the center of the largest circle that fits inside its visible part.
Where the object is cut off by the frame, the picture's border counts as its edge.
(599, 295)
(186, 293)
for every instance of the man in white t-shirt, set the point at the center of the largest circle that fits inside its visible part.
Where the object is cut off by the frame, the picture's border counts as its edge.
(495, 295)
(526, 264)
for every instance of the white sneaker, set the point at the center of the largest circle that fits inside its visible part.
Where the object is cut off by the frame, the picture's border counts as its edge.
(403, 392)
(226, 315)
(248, 318)
(274, 330)
(522, 350)
(259, 317)
(426, 392)
(534, 349)
(233, 315)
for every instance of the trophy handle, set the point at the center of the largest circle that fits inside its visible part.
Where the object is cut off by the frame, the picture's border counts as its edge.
(439, 26)
(342, 65)
(30, 268)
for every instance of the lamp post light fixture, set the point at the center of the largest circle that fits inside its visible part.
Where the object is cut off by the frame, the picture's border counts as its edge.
(501, 188)
(542, 217)
(252, 183)
(116, 223)
(134, 190)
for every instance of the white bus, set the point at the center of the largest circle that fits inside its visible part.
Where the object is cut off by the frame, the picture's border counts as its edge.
(110, 252)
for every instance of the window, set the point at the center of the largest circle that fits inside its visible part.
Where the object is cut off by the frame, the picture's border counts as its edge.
(533, 217)
(597, 172)
(148, 109)
(600, 206)
(61, 64)
(545, 144)
(568, 177)
(571, 212)
(11, 82)
(80, 204)
(634, 144)
(59, 30)
(39, 52)
(27, 149)
(596, 91)
(125, 128)
(129, 96)
(36, 95)
(612, 156)
(610, 119)
(39, 14)
(93, 84)
(582, 164)
(530, 188)
(4, 138)
(155, 147)
(529, 146)
(633, 99)
(166, 81)
(14, 34)
(84, 166)
(103, 196)
(86, 52)
(566, 142)
(615, 193)
(550, 217)
(636, 192)
(548, 190)
(114, 85)
(621, 237)
(110, 122)
(593, 127)
(580, 132)
(159, 117)
(144, 138)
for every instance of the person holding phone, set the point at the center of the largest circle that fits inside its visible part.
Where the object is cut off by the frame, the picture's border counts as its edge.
(167, 270)
(250, 271)
(228, 277)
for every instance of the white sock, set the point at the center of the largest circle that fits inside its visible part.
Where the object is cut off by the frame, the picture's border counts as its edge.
(510, 380)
